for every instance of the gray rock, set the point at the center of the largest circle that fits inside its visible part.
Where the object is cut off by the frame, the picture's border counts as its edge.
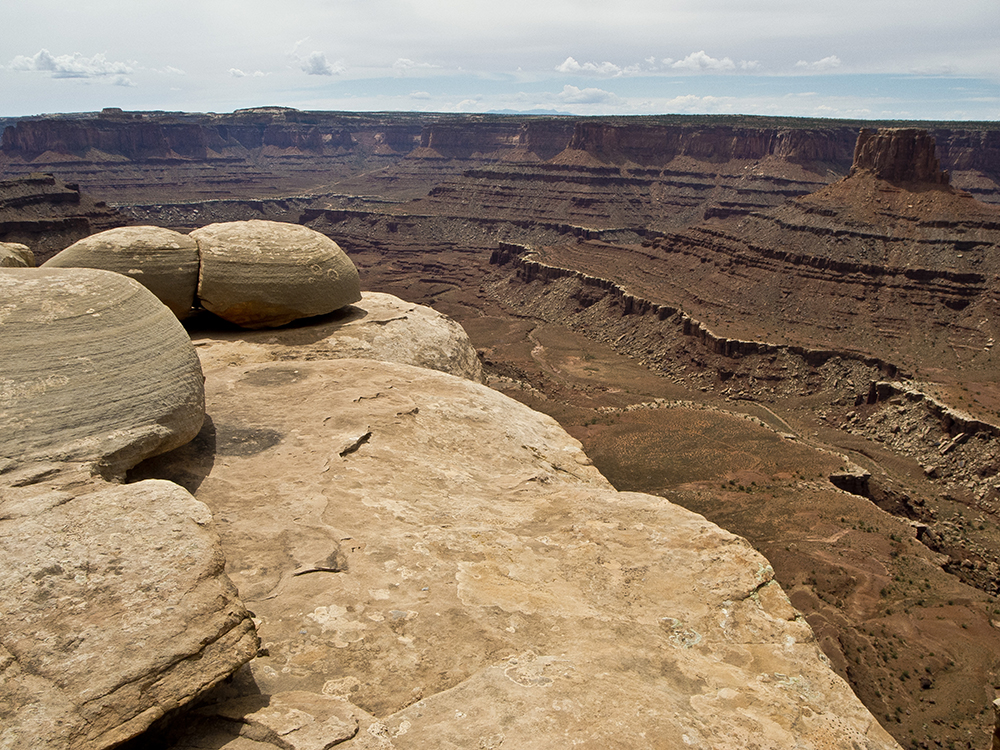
(162, 260)
(115, 610)
(16, 255)
(263, 274)
(93, 368)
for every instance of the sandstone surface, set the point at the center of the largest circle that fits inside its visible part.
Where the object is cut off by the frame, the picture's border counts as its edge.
(162, 260)
(261, 274)
(16, 255)
(115, 611)
(448, 561)
(380, 326)
(93, 368)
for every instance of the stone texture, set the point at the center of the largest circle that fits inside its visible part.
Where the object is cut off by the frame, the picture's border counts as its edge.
(93, 368)
(449, 561)
(380, 327)
(162, 260)
(263, 274)
(898, 155)
(295, 720)
(16, 255)
(115, 610)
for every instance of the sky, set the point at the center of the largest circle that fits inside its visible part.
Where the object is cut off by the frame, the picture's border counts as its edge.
(855, 59)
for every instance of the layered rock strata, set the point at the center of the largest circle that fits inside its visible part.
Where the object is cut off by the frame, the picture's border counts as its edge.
(95, 369)
(154, 157)
(898, 155)
(163, 261)
(266, 274)
(897, 272)
(47, 214)
(116, 607)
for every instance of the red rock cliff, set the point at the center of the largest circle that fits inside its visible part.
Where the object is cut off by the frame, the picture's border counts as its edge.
(898, 155)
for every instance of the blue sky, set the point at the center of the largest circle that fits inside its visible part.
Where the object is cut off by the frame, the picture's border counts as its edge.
(869, 59)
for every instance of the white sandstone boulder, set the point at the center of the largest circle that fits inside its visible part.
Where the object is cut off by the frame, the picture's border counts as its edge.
(162, 260)
(263, 274)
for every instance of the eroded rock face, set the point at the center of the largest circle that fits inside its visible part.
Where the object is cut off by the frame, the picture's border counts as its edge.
(115, 610)
(162, 260)
(449, 561)
(93, 368)
(16, 255)
(263, 274)
(898, 155)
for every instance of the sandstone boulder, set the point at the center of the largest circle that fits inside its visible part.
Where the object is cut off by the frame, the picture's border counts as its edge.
(115, 610)
(380, 327)
(16, 255)
(449, 561)
(93, 368)
(263, 274)
(162, 260)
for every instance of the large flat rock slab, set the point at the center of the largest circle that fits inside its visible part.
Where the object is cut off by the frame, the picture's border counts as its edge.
(449, 561)
(115, 611)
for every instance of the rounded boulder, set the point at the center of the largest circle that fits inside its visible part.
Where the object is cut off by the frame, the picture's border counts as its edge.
(264, 274)
(162, 260)
(93, 368)
(16, 255)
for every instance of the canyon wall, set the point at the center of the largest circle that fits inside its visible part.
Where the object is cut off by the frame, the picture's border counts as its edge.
(350, 144)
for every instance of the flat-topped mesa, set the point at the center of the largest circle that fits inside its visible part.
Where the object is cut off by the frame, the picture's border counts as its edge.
(898, 155)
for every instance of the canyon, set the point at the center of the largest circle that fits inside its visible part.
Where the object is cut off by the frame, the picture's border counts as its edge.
(771, 322)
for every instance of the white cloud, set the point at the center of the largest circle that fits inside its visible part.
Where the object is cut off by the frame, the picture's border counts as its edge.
(404, 64)
(316, 65)
(693, 103)
(71, 66)
(575, 95)
(702, 61)
(122, 81)
(570, 65)
(422, 95)
(237, 73)
(827, 63)
(696, 61)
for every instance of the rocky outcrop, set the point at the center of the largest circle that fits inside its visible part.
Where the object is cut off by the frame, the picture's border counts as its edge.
(46, 214)
(380, 327)
(898, 155)
(163, 261)
(94, 369)
(447, 560)
(116, 607)
(16, 255)
(265, 274)
(116, 611)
